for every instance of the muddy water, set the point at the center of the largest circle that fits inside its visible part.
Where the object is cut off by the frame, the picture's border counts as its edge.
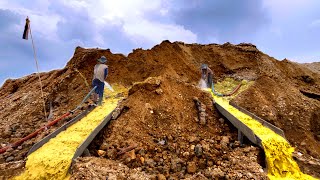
(278, 151)
(53, 159)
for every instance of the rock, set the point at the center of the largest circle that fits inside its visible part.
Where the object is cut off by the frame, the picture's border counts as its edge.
(159, 91)
(192, 147)
(203, 120)
(19, 147)
(217, 173)
(142, 160)
(312, 162)
(162, 142)
(210, 163)
(150, 162)
(207, 173)
(9, 159)
(148, 106)
(156, 158)
(158, 82)
(161, 177)
(132, 154)
(202, 164)
(203, 107)
(221, 120)
(176, 165)
(185, 154)
(192, 139)
(181, 175)
(198, 150)
(225, 140)
(205, 145)
(246, 149)
(173, 166)
(111, 153)
(142, 152)
(218, 163)
(202, 110)
(192, 167)
(104, 146)
(202, 114)
(236, 144)
(196, 119)
(303, 143)
(101, 153)
(164, 156)
(7, 132)
(5, 154)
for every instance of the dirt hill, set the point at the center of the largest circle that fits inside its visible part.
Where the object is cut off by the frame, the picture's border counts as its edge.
(313, 66)
(160, 115)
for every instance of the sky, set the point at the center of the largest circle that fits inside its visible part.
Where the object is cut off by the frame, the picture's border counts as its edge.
(281, 28)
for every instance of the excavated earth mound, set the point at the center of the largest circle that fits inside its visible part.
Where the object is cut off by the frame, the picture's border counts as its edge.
(313, 66)
(159, 117)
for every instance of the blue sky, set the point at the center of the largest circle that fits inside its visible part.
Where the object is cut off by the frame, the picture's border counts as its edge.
(281, 28)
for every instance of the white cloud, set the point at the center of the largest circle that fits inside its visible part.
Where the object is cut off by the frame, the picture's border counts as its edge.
(285, 8)
(156, 32)
(315, 23)
(123, 9)
(131, 16)
(75, 4)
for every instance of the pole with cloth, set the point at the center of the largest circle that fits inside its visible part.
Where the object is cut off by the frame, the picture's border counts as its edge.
(27, 29)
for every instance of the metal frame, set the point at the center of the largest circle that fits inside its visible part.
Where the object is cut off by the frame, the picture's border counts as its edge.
(263, 122)
(62, 128)
(81, 148)
(242, 128)
(92, 135)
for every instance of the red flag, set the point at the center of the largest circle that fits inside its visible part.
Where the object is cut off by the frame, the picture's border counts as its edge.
(26, 29)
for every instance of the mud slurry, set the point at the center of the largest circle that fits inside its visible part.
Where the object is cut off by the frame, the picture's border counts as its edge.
(52, 160)
(278, 151)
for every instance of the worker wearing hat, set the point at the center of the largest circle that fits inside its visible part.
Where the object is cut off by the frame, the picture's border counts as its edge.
(207, 74)
(100, 73)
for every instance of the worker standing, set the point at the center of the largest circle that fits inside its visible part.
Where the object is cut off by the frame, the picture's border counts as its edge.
(207, 75)
(100, 73)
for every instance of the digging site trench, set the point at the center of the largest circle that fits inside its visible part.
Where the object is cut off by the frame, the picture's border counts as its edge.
(159, 117)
